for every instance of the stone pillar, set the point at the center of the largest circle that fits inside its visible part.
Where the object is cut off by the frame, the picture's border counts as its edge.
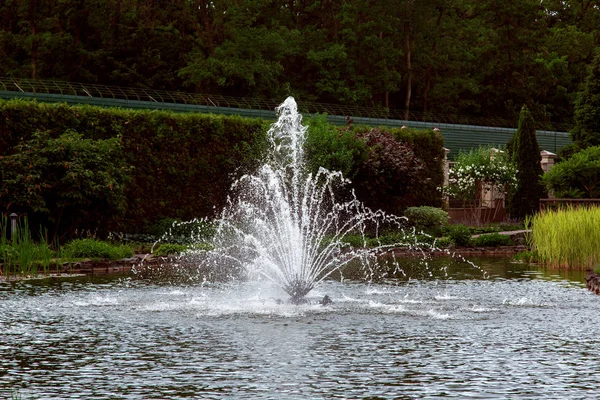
(492, 195)
(547, 160)
(547, 164)
(446, 166)
(446, 174)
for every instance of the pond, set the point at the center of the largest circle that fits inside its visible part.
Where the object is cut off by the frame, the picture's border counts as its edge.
(517, 333)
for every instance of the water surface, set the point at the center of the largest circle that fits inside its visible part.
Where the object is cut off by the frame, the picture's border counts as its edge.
(518, 334)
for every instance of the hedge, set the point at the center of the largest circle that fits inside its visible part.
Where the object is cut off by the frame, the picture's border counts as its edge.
(182, 165)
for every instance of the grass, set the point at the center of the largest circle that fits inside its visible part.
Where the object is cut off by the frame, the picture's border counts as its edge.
(567, 238)
(20, 254)
(95, 249)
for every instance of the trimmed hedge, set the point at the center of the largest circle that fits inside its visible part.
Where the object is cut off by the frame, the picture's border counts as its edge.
(183, 164)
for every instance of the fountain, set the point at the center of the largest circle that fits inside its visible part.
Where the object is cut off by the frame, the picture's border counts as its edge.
(288, 225)
(519, 334)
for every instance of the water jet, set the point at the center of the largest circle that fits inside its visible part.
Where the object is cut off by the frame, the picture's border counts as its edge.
(287, 225)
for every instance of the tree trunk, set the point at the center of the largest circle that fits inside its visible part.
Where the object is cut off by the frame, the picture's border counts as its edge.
(207, 25)
(409, 73)
(429, 74)
(32, 24)
(427, 88)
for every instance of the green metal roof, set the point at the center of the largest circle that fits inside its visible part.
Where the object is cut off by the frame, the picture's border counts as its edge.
(457, 136)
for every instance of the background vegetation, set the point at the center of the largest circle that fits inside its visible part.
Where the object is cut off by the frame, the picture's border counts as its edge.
(94, 170)
(478, 58)
(76, 169)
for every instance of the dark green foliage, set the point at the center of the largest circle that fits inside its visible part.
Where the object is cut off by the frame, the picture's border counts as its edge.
(390, 169)
(403, 169)
(578, 177)
(442, 243)
(497, 227)
(334, 148)
(69, 181)
(527, 256)
(149, 164)
(428, 146)
(386, 179)
(186, 232)
(460, 234)
(475, 58)
(492, 240)
(92, 248)
(587, 109)
(431, 220)
(526, 155)
(356, 241)
(124, 171)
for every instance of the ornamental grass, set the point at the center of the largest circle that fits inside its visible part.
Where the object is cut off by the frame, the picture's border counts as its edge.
(567, 238)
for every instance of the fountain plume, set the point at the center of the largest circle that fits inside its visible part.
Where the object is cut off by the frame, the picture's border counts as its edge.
(286, 224)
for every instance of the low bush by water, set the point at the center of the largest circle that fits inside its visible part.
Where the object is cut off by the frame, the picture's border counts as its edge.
(492, 240)
(92, 248)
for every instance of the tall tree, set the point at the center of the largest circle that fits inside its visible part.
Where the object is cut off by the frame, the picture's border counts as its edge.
(587, 109)
(374, 44)
(247, 59)
(526, 155)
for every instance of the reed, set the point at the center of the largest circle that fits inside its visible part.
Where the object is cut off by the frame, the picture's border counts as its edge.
(20, 254)
(567, 238)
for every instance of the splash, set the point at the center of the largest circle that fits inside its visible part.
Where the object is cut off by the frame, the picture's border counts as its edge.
(289, 226)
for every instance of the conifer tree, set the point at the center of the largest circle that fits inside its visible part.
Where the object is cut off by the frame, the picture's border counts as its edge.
(586, 132)
(526, 155)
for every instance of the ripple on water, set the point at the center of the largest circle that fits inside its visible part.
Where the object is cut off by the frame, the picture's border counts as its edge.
(521, 338)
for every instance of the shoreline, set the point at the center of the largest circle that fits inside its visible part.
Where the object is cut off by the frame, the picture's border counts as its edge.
(142, 261)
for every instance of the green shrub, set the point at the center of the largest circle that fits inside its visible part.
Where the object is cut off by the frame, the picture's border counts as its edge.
(183, 163)
(431, 220)
(492, 240)
(460, 234)
(443, 243)
(71, 180)
(390, 169)
(586, 131)
(167, 249)
(428, 146)
(425, 239)
(577, 177)
(390, 238)
(525, 198)
(92, 248)
(385, 180)
(186, 232)
(355, 241)
(333, 148)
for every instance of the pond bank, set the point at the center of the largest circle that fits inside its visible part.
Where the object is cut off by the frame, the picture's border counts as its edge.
(142, 261)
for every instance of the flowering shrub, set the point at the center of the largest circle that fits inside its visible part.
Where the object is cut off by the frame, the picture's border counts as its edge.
(479, 171)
